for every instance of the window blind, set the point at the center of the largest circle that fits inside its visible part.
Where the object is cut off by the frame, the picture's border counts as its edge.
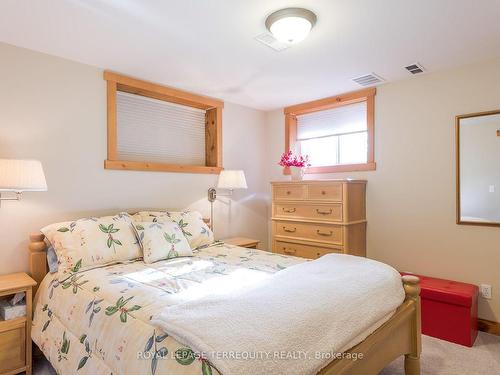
(151, 130)
(345, 119)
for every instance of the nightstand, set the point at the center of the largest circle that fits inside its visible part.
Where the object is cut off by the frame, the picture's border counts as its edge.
(242, 242)
(15, 334)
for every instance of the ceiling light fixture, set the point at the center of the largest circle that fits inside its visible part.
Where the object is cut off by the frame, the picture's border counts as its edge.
(291, 25)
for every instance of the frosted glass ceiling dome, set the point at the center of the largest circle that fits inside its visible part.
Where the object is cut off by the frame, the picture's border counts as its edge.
(291, 25)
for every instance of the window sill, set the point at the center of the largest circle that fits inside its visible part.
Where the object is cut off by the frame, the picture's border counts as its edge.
(159, 167)
(338, 168)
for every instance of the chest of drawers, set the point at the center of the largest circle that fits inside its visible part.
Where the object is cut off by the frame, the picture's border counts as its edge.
(315, 217)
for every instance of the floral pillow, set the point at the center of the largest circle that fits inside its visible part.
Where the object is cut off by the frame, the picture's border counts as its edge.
(162, 241)
(191, 223)
(86, 243)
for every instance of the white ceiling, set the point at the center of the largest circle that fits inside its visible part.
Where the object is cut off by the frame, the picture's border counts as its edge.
(207, 46)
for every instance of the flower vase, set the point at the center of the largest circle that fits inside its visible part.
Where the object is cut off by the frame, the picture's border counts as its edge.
(297, 173)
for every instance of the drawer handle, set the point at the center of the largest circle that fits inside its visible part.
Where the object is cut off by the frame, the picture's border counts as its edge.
(288, 210)
(290, 230)
(288, 192)
(323, 192)
(324, 212)
(320, 233)
(289, 251)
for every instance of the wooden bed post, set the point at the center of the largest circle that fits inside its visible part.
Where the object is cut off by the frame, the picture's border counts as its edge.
(411, 286)
(38, 259)
(208, 222)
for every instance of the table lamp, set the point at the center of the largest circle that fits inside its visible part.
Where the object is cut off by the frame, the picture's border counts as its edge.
(229, 180)
(19, 176)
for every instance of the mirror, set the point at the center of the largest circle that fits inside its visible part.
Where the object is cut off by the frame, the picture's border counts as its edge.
(478, 168)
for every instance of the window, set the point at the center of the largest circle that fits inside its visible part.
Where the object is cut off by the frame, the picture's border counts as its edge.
(152, 127)
(336, 133)
(158, 131)
(335, 136)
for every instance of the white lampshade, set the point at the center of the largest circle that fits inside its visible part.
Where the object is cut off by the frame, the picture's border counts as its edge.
(21, 175)
(232, 180)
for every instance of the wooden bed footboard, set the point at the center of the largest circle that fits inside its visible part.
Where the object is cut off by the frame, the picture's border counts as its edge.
(400, 335)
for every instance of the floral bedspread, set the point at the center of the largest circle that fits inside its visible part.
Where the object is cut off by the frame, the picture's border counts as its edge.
(98, 321)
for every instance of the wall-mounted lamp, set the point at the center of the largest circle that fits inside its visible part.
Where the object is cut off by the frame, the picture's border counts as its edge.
(18, 176)
(229, 180)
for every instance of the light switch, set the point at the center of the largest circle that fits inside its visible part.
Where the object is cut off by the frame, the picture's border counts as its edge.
(492, 188)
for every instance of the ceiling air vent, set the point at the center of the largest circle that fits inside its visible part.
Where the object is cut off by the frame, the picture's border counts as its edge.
(415, 68)
(270, 41)
(368, 80)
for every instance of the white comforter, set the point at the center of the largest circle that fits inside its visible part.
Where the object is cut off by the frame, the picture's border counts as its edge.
(292, 321)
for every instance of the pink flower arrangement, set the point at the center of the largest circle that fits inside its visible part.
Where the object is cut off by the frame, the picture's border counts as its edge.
(288, 159)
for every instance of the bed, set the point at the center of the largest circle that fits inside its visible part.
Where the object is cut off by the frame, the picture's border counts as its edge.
(104, 315)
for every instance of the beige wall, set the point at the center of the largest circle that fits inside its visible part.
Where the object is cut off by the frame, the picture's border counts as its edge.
(53, 110)
(411, 195)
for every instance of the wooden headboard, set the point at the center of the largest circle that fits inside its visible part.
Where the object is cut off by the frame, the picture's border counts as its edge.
(38, 257)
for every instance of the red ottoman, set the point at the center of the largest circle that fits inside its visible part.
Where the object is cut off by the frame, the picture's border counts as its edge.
(449, 310)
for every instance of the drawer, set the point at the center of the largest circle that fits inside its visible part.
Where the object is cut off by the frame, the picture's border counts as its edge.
(326, 192)
(12, 345)
(301, 250)
(322, 212)
(289, 192)
(309, 231)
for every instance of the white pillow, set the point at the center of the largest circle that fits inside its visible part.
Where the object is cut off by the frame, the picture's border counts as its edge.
(86, 243)
(191, 223)
(162, 241)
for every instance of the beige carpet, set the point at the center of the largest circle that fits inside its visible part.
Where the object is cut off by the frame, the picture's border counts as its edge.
(444, 358)
(438, 358)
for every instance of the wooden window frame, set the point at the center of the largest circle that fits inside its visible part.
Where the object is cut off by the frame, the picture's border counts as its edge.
(213, 124)
(291, 113)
